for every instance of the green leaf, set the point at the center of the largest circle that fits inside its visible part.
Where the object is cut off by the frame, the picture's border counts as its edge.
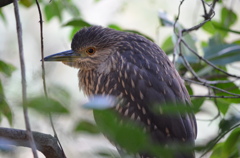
(115, 27)
(232, 143)
(228, 17)
(53, 9)
(86, 126)
(230, 87)
(197, 103)
(26, 3)
(120, 133)
(43, 105)
(4, 107)
(168, 45)
(6, 68)
(223, 105)
(209, 27)
(217, 151)
(2, 16)
(77, 23)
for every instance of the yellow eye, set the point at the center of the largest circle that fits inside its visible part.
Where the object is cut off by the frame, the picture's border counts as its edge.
(90, 50)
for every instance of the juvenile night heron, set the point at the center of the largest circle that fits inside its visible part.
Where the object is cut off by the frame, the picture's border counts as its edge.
(132, 68)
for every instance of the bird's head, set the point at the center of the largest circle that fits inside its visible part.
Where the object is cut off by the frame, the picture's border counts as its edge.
(91, 47)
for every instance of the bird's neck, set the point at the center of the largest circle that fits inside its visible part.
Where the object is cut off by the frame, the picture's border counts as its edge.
(87, 80)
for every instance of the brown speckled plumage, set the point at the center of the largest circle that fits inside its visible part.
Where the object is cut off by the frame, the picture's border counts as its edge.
(135, 69)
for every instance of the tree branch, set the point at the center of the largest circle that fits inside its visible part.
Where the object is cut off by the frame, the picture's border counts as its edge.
(23, 76)
(45, 143)
(5, 2)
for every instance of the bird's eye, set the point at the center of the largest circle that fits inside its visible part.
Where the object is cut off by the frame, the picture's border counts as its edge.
(90, 50)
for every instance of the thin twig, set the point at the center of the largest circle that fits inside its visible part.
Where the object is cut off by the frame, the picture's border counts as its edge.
(56, 136)
(213, 87)
(23, 75)
(42, 48)
(43, 73)
(208, 62)
(218, 138)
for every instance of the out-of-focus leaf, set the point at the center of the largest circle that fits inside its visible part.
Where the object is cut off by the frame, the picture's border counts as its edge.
(189, 89)
(197, 103)
(2, 15)
(231, 145)
(7, 145)
(73, 32)
(227, 124)
(222, 54)
(173, 109)
(100, 102)
(86, 126)
(115, 27)
(231, 87)
(61, 93)
(120, 133)
(6, 68)
(236, 42)
(165, 19)
(4, 107)
(217, 151)
(107, 154)
(209, 27)
(26, 3)
(130, 136)
(77, 23)
(46, 106)
(168, 46)
(223, 105)
(53, 9)
(228, 17)
(225, 29)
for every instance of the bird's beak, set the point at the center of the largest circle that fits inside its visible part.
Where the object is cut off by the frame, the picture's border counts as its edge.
(68, 55)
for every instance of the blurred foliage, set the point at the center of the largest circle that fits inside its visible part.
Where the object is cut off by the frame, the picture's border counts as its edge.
(217, 50)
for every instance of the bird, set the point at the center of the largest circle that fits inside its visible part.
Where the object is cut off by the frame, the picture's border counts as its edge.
(133, 68)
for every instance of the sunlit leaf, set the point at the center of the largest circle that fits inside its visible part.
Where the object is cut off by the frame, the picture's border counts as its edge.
(44, 105)
(26, 3)
(209, 27)
(86, 126)
(6, 68)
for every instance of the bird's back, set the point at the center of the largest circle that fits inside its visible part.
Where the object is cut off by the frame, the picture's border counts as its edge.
(141, 73)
